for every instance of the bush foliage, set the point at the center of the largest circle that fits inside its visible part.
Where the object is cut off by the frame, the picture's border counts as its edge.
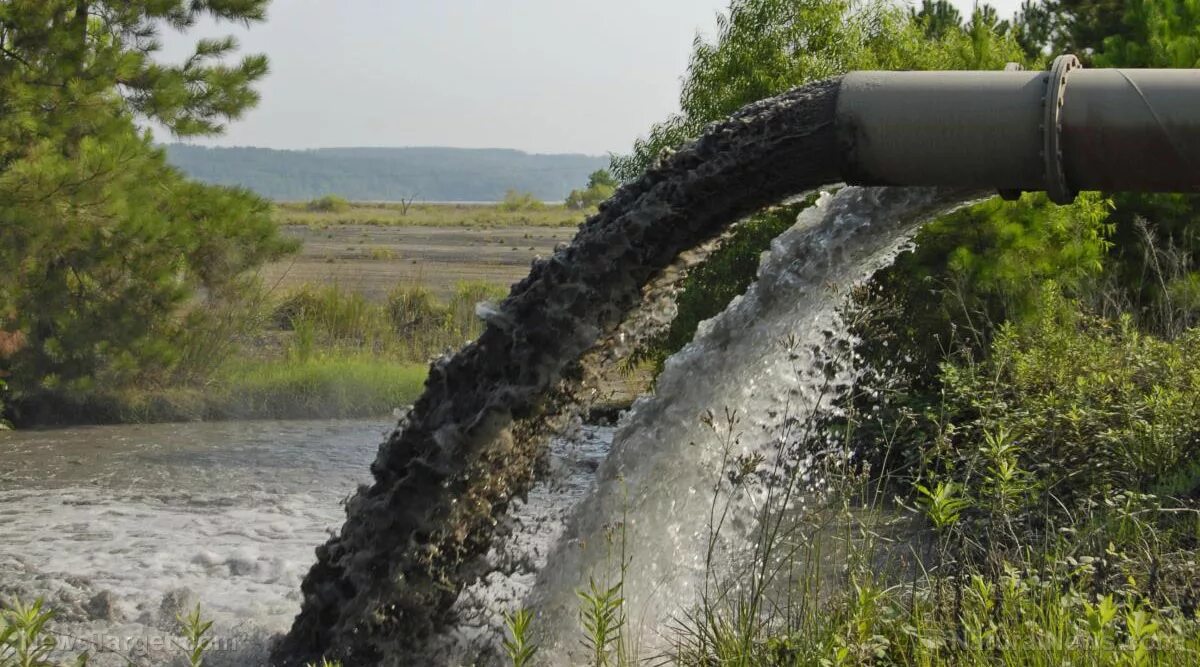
(1018, 483)
(601, 185)
(328, 204)
(1095, 407)
(521, 201)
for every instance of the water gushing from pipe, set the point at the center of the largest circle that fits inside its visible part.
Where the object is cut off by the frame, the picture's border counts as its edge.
(775, 356)
(473, 441)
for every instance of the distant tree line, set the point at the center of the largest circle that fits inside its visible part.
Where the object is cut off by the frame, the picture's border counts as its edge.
(387, 174)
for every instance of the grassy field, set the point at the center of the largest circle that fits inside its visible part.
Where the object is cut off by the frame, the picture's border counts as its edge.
(481, 216)
(371, 248)
(372, 260)
(324, 351)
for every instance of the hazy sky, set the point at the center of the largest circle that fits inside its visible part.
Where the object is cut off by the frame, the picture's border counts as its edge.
(539, 75)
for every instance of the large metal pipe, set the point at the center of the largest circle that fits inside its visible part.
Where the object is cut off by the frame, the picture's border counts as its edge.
(1061, 131)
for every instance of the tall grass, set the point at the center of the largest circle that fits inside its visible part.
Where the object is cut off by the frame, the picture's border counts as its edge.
(319, 352)
(410, 325)
(982, 532)
(335, 354)
(876, 584)
(865, 577)
(337, 385)
(318, 387)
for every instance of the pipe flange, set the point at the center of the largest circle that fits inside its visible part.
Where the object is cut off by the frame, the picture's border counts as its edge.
(1057, 188)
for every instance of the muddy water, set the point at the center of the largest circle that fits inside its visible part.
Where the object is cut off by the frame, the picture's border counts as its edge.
(121, 527)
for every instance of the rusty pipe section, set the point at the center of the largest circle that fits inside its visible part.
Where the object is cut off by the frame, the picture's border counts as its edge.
(1061, 131)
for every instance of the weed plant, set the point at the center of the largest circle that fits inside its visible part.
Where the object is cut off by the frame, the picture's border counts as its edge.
(28, 639)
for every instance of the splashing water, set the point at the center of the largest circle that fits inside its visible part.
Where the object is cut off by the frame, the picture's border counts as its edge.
(422, 531)
(774, 355)
(473, 441)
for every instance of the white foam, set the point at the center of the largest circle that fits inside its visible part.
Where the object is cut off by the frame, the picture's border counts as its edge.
(228, 511)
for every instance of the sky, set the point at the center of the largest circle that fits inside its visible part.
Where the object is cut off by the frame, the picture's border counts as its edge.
(544, 76)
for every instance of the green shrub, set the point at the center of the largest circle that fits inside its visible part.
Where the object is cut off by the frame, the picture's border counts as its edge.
(294, 306)
(25, 640)
(411, 324)
(971, 271)
(601, 186)
(1094, 405)
(328, 204)
(521, 201)
(467, 295)
(518, 645)
(1064, 408)
(422, 324)
(1017, 533)
(334, 314)
(413, 309)
(212, 332)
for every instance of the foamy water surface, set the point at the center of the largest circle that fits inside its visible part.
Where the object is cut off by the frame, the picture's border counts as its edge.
(121, 527)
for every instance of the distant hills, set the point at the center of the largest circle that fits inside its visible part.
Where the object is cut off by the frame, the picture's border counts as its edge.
(430, 174)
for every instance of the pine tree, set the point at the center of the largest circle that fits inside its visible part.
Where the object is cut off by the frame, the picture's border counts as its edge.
(103, 243)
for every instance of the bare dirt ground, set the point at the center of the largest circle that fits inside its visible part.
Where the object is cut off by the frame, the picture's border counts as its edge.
(373, 259)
